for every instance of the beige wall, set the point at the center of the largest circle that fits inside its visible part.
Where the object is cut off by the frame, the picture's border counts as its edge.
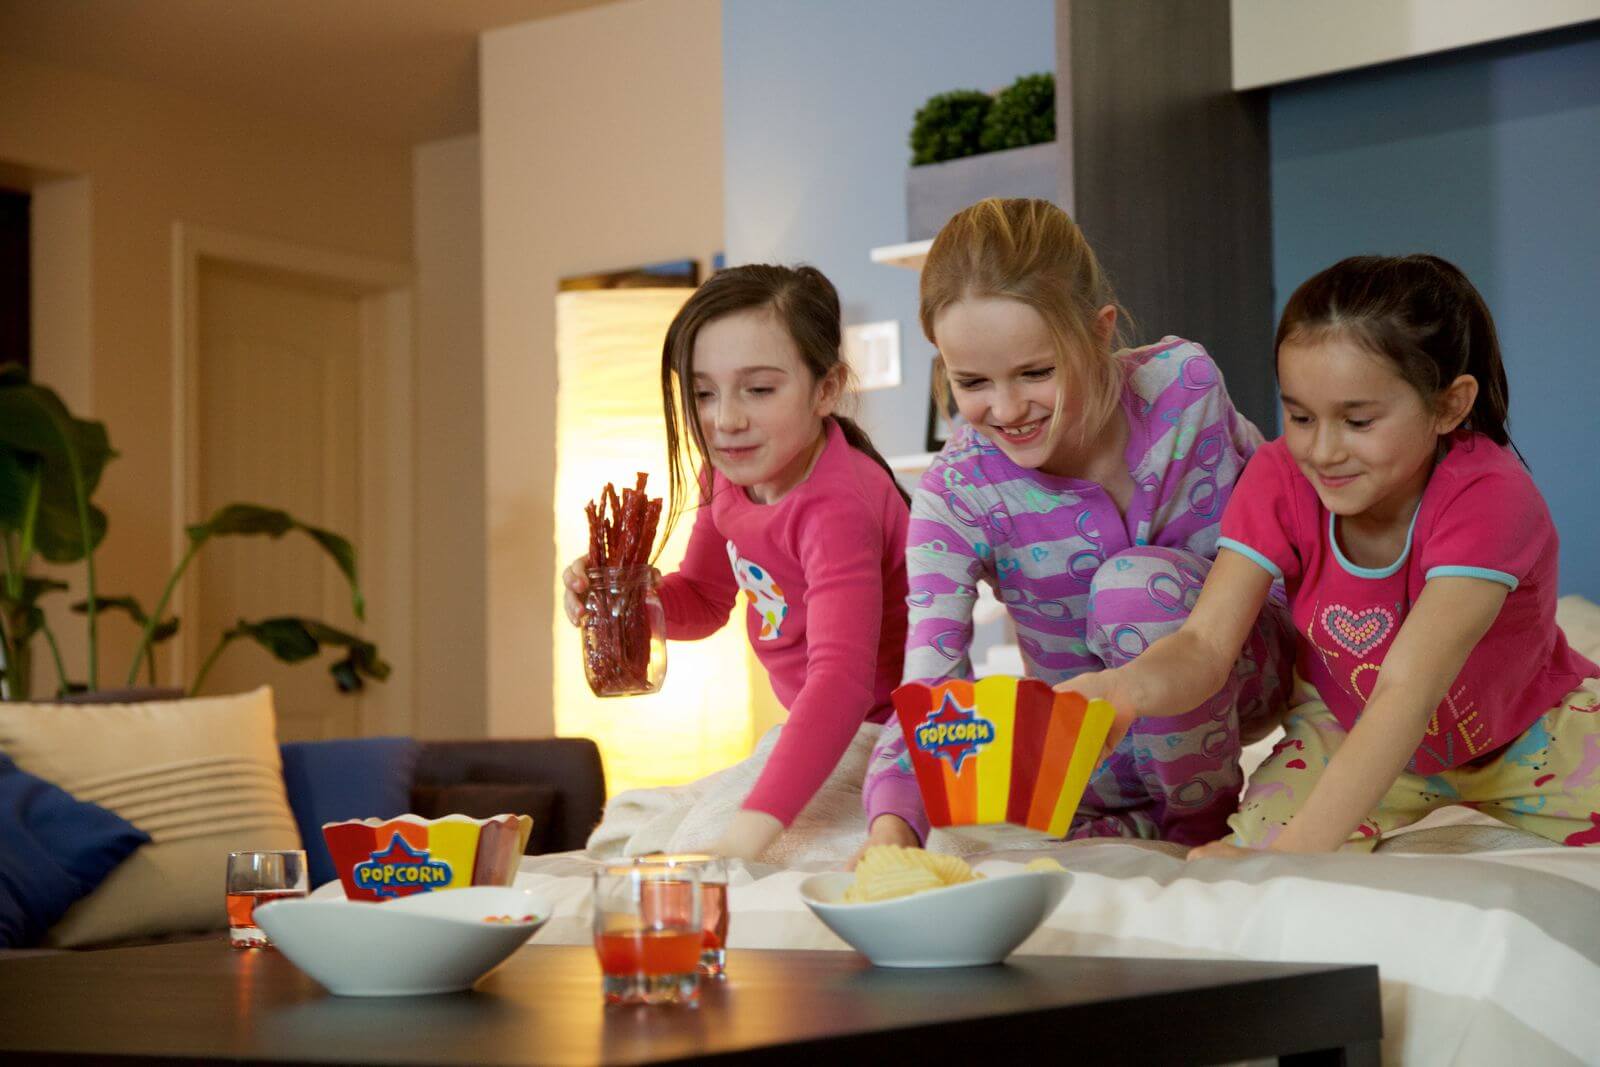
(151, 158)
(449, 597)
(1277, 41)
(602, 147)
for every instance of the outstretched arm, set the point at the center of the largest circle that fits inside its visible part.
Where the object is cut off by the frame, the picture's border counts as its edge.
(1184, 668)
(1446, 624)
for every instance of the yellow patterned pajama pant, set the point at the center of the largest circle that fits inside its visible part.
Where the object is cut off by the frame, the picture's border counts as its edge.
(1547, 781)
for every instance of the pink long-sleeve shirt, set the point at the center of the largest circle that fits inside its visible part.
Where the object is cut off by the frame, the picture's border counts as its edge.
(824, 573)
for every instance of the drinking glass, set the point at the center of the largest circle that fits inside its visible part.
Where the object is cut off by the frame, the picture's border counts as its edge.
(254, 878)
(647, 933)
(713, 903)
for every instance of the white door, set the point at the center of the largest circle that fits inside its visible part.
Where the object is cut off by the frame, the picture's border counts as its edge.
(279, 419)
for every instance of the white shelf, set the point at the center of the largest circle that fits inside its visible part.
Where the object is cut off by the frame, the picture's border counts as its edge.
(910, 255)
(912, 464)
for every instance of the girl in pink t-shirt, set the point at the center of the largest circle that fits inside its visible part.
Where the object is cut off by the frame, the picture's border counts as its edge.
(1420, 562)
(796, 508)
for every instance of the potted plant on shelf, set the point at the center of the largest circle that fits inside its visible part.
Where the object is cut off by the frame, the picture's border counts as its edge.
(967, 145)
(50, 465)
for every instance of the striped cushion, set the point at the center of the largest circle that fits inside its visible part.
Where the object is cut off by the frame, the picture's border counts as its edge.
(201, 777)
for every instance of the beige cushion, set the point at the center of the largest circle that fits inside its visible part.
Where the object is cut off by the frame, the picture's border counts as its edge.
(202, 777)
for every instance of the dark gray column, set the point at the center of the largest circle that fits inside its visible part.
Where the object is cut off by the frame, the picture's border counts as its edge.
(1166, 169)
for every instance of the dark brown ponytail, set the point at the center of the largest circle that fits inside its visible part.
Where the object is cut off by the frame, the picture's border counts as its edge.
(807, 305)
(1422, 314)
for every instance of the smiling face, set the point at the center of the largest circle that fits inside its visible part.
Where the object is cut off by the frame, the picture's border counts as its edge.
(1361, 434)
(760, 410)
(1006, 377)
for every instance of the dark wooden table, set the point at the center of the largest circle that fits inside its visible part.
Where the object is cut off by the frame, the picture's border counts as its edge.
(204, 1001)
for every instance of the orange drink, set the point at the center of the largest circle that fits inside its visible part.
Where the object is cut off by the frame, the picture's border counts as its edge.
(647, 933)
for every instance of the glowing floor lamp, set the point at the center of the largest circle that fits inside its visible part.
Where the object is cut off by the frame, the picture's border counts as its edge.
(608, 426)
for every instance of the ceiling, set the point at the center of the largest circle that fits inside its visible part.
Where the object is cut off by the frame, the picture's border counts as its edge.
(402, 71)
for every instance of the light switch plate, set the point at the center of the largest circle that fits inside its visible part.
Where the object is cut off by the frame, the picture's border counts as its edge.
(872, 349)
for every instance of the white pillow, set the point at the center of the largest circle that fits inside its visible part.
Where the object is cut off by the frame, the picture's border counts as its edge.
(202, 777)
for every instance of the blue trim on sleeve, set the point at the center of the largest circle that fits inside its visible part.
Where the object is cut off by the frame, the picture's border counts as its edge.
(1252, 555)
(1507, 580)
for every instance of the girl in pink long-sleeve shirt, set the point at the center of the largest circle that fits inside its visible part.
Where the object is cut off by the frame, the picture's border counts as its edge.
(796, 508)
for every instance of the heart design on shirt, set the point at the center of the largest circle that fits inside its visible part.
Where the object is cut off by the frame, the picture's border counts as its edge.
(1040, 553)
(1357, 632)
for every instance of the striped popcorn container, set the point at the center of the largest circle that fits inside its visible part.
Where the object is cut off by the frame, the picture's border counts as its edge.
(379, 859)
(1001, 750)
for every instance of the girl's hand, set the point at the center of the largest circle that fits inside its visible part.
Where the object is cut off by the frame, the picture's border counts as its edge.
(1110, 686)
(1221, 850)
(748, 835)
(576, 579)
(886, 830)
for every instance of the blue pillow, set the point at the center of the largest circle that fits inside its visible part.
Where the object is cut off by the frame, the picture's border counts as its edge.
(54, 850)
(356, 778)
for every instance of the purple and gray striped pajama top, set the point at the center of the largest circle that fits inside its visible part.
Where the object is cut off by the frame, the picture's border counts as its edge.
(1088, 587)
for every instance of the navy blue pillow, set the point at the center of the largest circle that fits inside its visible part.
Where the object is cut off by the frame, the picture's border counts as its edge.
(356, 778)
(54, 850)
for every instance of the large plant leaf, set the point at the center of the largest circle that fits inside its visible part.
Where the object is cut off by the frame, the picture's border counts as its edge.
(254, 519)
(27, 615)
(292, 639)
(134, 610)
(18, 471)
(39, 433)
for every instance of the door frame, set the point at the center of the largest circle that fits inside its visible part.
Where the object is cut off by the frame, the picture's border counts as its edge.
(385, 460)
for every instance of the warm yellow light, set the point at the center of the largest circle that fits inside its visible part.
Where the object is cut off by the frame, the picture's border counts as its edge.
(608, 426)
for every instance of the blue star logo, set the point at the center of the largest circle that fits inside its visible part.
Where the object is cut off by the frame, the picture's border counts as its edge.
(401, 870)
(953, 732)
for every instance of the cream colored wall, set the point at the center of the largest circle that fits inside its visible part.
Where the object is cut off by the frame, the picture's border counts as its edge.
(449, 587)
(151, 158)
(602, 148)
(1277, 41)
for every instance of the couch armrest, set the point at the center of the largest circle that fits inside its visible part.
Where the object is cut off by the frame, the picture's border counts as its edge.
(570, 764)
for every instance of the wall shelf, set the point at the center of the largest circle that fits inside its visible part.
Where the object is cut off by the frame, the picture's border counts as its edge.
(912, 464)
(910, 255)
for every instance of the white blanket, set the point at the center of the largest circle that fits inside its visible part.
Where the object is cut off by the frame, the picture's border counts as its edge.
(1487, 958)
(692, 818)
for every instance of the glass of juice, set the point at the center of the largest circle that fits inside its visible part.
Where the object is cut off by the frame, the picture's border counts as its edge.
(713, 903)
(647, 933)
(254, 878)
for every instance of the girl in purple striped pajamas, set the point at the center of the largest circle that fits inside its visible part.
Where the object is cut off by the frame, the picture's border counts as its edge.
(1086, 487)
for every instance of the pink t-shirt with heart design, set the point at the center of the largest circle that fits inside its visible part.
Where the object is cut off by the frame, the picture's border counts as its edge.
(1480, 516)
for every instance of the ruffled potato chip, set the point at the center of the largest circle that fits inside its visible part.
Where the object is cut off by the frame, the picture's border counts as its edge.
(1044, 863)
(886, 872)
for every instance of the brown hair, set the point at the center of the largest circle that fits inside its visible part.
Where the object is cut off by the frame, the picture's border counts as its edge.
(1030, 251)
(803, 301)
(1421, 314)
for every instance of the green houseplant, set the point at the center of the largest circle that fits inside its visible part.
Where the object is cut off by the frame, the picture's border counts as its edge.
(1023, 113)
(50, 465)
(967, 145)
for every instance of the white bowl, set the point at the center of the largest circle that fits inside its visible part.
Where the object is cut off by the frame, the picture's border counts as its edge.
(964, 925)
(426, 943)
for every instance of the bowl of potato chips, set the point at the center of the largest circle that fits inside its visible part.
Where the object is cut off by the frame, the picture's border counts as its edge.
(904, 907)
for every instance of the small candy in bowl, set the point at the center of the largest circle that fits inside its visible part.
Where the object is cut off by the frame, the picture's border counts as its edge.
(904, 907)
(384, 859)
(424, 943)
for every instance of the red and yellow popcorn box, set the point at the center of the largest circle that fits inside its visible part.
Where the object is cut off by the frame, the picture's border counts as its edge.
(1001, 750)
(379, 859)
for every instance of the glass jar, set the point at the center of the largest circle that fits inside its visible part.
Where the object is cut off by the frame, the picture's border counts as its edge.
(624, 631)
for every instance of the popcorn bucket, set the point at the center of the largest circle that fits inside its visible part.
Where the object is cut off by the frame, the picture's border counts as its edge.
(1001, 750)
(380, 859)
